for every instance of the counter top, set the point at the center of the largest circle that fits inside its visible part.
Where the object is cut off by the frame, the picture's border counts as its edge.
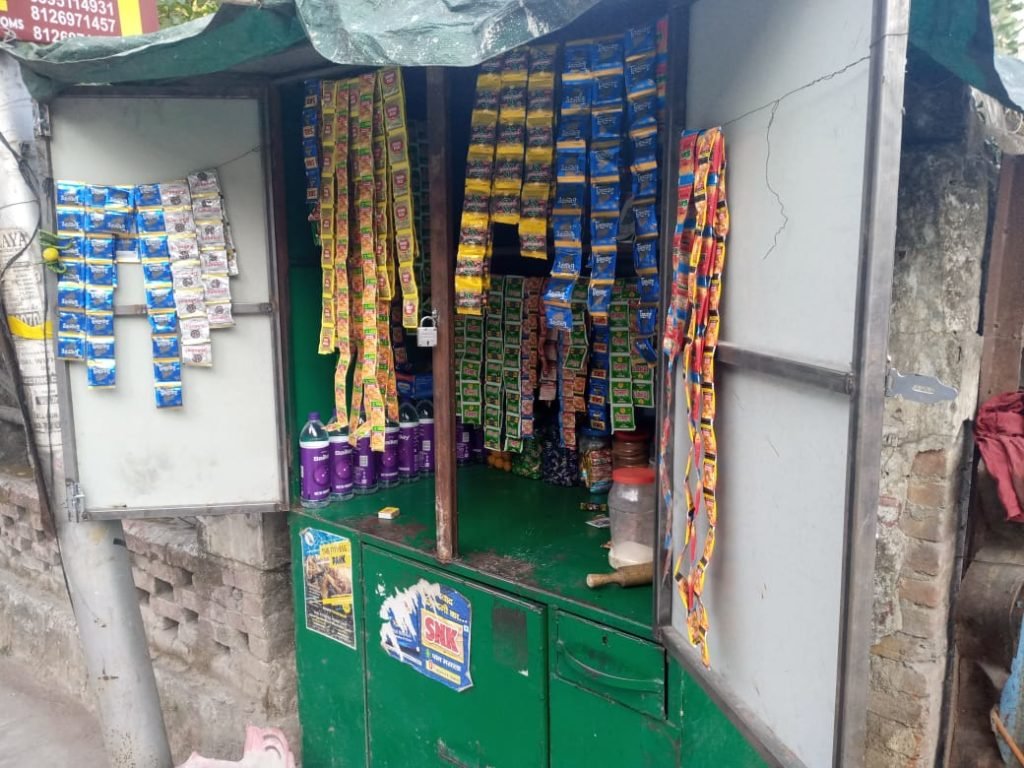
(523, 536)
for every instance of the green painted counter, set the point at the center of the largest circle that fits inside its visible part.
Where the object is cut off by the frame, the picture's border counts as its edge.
(523, 536)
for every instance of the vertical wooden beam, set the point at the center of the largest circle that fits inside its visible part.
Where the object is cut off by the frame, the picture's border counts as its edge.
(443, 297)
(1001, 363)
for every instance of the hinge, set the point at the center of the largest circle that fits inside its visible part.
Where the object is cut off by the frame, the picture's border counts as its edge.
(918, 388)
(74, 501)
(41, 115)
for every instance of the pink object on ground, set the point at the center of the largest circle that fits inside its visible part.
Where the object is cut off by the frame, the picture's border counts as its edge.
(264, 748)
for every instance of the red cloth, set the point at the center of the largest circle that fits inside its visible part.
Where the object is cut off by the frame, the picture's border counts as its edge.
(999, 433)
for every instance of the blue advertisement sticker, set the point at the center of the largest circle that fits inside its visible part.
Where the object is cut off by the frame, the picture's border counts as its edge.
(429, 627)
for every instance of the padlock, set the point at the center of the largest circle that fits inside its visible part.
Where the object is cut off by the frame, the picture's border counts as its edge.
(426, 335)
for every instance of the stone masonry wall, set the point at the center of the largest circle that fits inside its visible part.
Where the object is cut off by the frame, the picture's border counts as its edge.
(946, 176)
(216, 602)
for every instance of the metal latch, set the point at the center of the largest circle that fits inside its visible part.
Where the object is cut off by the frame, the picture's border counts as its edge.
(75, 501)
(918, 388)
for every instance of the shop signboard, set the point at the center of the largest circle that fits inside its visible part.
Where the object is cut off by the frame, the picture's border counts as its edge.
(50, 21)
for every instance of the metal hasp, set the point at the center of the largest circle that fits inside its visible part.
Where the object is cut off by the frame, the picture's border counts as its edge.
(74, 501)
(918, 388)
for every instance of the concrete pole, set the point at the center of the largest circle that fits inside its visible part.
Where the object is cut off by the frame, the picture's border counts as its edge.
(93, 554)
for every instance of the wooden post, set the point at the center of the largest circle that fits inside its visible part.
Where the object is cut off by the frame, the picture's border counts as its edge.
(443, 298)
(1003, 295)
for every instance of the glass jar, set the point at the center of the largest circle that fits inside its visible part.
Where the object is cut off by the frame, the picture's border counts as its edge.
(631, 507)
(631, 449)
(595, 460)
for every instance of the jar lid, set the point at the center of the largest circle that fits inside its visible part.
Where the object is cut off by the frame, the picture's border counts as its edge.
(634, 436)
(634, 475)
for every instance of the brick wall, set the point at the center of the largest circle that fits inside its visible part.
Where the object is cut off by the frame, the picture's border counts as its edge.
(946, 178)
(215, 599)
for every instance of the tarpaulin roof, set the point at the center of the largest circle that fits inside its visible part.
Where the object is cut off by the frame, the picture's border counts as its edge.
(958, 35)
(281, 36)
(347, 32)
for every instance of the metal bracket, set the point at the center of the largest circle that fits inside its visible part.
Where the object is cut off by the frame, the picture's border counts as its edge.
(918, 388)
(41, 120)
(74, 501)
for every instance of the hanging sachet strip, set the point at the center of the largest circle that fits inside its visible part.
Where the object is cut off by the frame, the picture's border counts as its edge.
(474, 233)
(326, 217)
(310, 139)
(400, 191)
(469, 366)
(529, 354)
(642, 93)
(540, 144)
(620, 387)
(573, 358)
(494, 365)
(368, 409)
(691, 337)
(508, 158)
(342, 213)
(605, 165)
(418, 161)
(381, 222)
(641, 371)
(571, 188)
(511, 368)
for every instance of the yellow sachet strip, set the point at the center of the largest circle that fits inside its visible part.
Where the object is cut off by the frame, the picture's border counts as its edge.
(469, 267)
(328, 340)
(342, 314)
(400, 205)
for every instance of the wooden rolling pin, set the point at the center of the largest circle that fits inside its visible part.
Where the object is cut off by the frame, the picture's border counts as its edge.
(627, 576)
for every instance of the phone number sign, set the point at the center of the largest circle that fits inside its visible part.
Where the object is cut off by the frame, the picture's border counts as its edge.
(49, 21)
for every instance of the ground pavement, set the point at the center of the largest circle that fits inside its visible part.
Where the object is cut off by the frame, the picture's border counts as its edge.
(41, 728)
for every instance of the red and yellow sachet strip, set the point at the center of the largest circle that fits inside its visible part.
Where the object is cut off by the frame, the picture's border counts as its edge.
(342, 312)
(326, 208)
(691, 337)
(368, 394)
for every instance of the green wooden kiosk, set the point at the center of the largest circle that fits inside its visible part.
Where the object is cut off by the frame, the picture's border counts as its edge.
(558, 674)
(539, 671)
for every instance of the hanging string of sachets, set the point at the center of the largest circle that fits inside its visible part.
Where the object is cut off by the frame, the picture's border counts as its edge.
(357, 147)
(690, 339)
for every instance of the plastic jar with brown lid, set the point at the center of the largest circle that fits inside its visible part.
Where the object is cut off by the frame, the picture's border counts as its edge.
(631, 449)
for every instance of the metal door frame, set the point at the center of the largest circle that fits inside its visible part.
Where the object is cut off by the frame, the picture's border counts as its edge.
(276, 279)
(863, 383)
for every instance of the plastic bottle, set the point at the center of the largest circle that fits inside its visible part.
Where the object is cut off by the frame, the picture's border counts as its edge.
(314, 464)
(364, 473)
(476, 444)
(408, 443)
(425, 409)
(462, 439)
(388, 475)
(341, 461)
